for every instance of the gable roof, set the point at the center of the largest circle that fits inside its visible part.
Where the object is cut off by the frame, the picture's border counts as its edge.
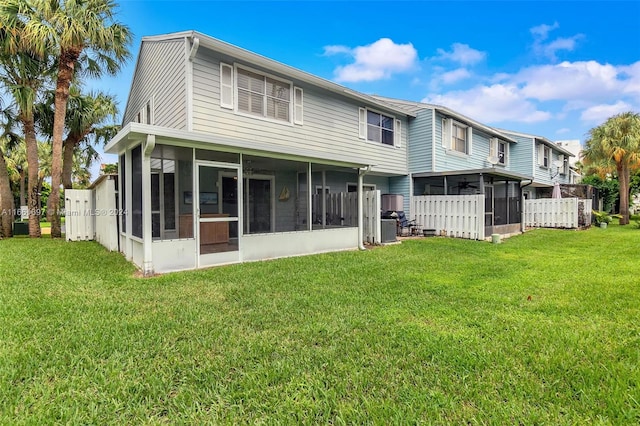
(542, 140)
(202, 40)
(414, 107)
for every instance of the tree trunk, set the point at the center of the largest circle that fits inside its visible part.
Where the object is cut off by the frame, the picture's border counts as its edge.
(33, 191)
(67, 162)
(623, 179)
(66, 66)
(6, 201)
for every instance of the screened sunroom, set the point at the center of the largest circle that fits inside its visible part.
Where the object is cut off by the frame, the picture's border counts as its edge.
(189, 205)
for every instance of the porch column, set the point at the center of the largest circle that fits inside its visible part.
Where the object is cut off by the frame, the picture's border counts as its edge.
(147, 232)
(506, 196)
(481, 184)
(444, 183)
(309, 199)
(360, 210)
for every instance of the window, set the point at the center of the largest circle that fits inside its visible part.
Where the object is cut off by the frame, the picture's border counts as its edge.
(260, 95)
(565, 164)
(136, 191)
(163, 198)
(353, 187)
(456, 136)
(123, 191)
(499, 151)
(544, 156)
(145, 115)
(377, 127)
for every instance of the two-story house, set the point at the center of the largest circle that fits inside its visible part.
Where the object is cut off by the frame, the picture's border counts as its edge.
(228, 156)
(222, 151)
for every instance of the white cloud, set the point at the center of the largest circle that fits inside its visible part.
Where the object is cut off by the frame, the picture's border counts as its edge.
(588, 89)
(569, 43)
(337, 49)
(542, 31)
(462, 54)
(491, 104)
(563, 131)
(570, 81)
(375, 61)
(598, 114)
(549, 49)
(631, 75)
(454, 76)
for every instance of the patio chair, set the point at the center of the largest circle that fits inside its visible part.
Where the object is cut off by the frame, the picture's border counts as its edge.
(406, 226)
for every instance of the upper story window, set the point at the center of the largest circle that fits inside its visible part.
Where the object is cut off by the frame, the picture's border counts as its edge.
(456, 136)
(145, 115)
(544, 156)
(499, 151)
(564, 168)
(378, 127)
(252, 92)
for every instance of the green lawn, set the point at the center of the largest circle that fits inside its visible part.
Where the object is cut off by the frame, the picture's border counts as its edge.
(541, 329)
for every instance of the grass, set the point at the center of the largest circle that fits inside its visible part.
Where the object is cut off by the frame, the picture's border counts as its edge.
(541, 329)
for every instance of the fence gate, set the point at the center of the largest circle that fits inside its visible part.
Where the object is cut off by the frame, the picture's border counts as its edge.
(79, 220)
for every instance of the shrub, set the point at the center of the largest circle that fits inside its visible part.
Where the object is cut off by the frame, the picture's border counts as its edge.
(601, 217)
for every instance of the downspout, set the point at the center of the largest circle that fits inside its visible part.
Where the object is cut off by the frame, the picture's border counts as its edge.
(361, 174)
(195, 43)
(522, 200)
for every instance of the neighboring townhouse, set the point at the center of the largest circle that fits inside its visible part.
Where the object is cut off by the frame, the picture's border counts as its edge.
(223, 154)
(451, 154)
(544, 160)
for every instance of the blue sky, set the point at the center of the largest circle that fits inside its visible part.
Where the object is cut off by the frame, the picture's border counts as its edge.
(554, 69)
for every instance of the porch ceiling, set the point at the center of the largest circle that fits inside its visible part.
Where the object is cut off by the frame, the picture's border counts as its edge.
(488, 172)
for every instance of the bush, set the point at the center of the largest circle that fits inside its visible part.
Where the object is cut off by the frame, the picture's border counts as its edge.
(601, 217)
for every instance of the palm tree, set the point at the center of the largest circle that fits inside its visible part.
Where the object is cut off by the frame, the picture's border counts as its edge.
(83, 159)
(83, 36)
(85, 124)
(7, 206)
(23, 75)
(616, 143)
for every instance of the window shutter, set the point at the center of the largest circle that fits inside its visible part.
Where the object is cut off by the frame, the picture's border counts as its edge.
(397, 134)
(297, 105)
(493, 147)
(226, 86)
(540, 155)
(362, 128)
(446, 133)
(506, 154)
(469, 139)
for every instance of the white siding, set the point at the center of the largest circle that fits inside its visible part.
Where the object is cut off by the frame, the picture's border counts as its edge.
(330, 122)
(160, 76)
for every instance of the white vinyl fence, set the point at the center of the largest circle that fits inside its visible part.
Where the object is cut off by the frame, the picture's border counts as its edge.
(460, 216)
(79, 222)
(106, 215)
(557, 213)
(341, 209)
(91, 214)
